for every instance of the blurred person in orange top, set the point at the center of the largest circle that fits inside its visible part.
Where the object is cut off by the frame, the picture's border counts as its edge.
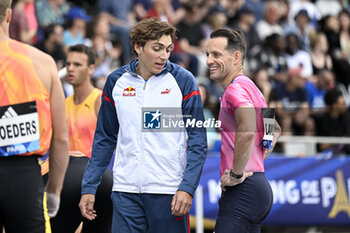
(32, 122)
(81, 110)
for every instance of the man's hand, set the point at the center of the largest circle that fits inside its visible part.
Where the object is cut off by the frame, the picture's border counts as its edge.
(53, 204)
(227, 180)
(86, 206)
(181, 204)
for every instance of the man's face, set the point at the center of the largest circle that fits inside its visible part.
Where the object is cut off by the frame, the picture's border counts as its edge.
(302, 20)
(78, 70)
(80, 25)
(219, 60)
(340, 105)
(292, 44)
(154, 55)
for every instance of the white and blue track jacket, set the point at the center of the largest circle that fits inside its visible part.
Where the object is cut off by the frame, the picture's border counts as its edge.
(147, 162)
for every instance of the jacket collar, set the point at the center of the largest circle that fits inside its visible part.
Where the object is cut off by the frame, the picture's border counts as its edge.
(131, 67)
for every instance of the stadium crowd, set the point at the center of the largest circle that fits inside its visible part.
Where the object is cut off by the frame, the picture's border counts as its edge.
(298, 50)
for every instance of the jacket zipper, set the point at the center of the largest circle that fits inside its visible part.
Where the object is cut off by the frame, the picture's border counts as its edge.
(142, 142)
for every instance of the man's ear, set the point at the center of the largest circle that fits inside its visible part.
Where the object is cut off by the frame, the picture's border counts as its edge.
(8, 15)
(237, 55)
(91, 69)
(137, 48)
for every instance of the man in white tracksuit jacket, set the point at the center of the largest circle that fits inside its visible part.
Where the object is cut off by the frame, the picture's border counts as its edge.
(155, 172)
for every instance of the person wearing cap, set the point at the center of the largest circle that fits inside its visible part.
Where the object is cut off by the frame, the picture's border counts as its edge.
(77, 19)
(302, 28)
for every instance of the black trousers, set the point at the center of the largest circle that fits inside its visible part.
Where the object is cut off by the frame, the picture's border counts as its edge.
(244, 206)
(21, 195)
(69, 217)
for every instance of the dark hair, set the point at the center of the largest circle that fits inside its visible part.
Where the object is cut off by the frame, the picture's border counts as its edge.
(150, 29)
(4, 5)
(235, 40)
(80, 48)
(332, 96)
(344, 11)
(50, 29)
(347, 13)
(270, 41)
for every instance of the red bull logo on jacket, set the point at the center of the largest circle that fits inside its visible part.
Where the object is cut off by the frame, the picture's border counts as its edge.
(129, 91)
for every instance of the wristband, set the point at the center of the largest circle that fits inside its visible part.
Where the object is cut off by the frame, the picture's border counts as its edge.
(236, 176)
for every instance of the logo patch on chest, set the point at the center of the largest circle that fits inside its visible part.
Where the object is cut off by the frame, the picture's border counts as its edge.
(167, 91)
(129, 91)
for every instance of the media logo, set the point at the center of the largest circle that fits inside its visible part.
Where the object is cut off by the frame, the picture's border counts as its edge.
(173, 120)
(129, 91)
(152, 119)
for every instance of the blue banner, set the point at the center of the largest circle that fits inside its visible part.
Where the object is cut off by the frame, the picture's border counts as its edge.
(307, 191)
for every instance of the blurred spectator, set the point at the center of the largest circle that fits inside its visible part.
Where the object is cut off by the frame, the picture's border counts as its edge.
(205, 7)
(51, 11)
(316, 91)
(292, 108)
(192, 40)
(302, 29)
(141, 8)
(335, 122)
(19, 27)
(119, 10)
(344, 37)
(296, 57)
(232, 7)
(76, 27)
(165, 11)
(107, 53)
(162, 10)
(283, 9)
(269, 25)
(215, 19)
(31, 17)
(121, 18)
(331, 27)
(53, 44)
(257, 6)
(271, 57)
(312, 11)
(245, 23)
(320, 58)
(261, 80)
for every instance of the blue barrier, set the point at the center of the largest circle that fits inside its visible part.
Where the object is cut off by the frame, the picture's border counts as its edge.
(307, 191)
